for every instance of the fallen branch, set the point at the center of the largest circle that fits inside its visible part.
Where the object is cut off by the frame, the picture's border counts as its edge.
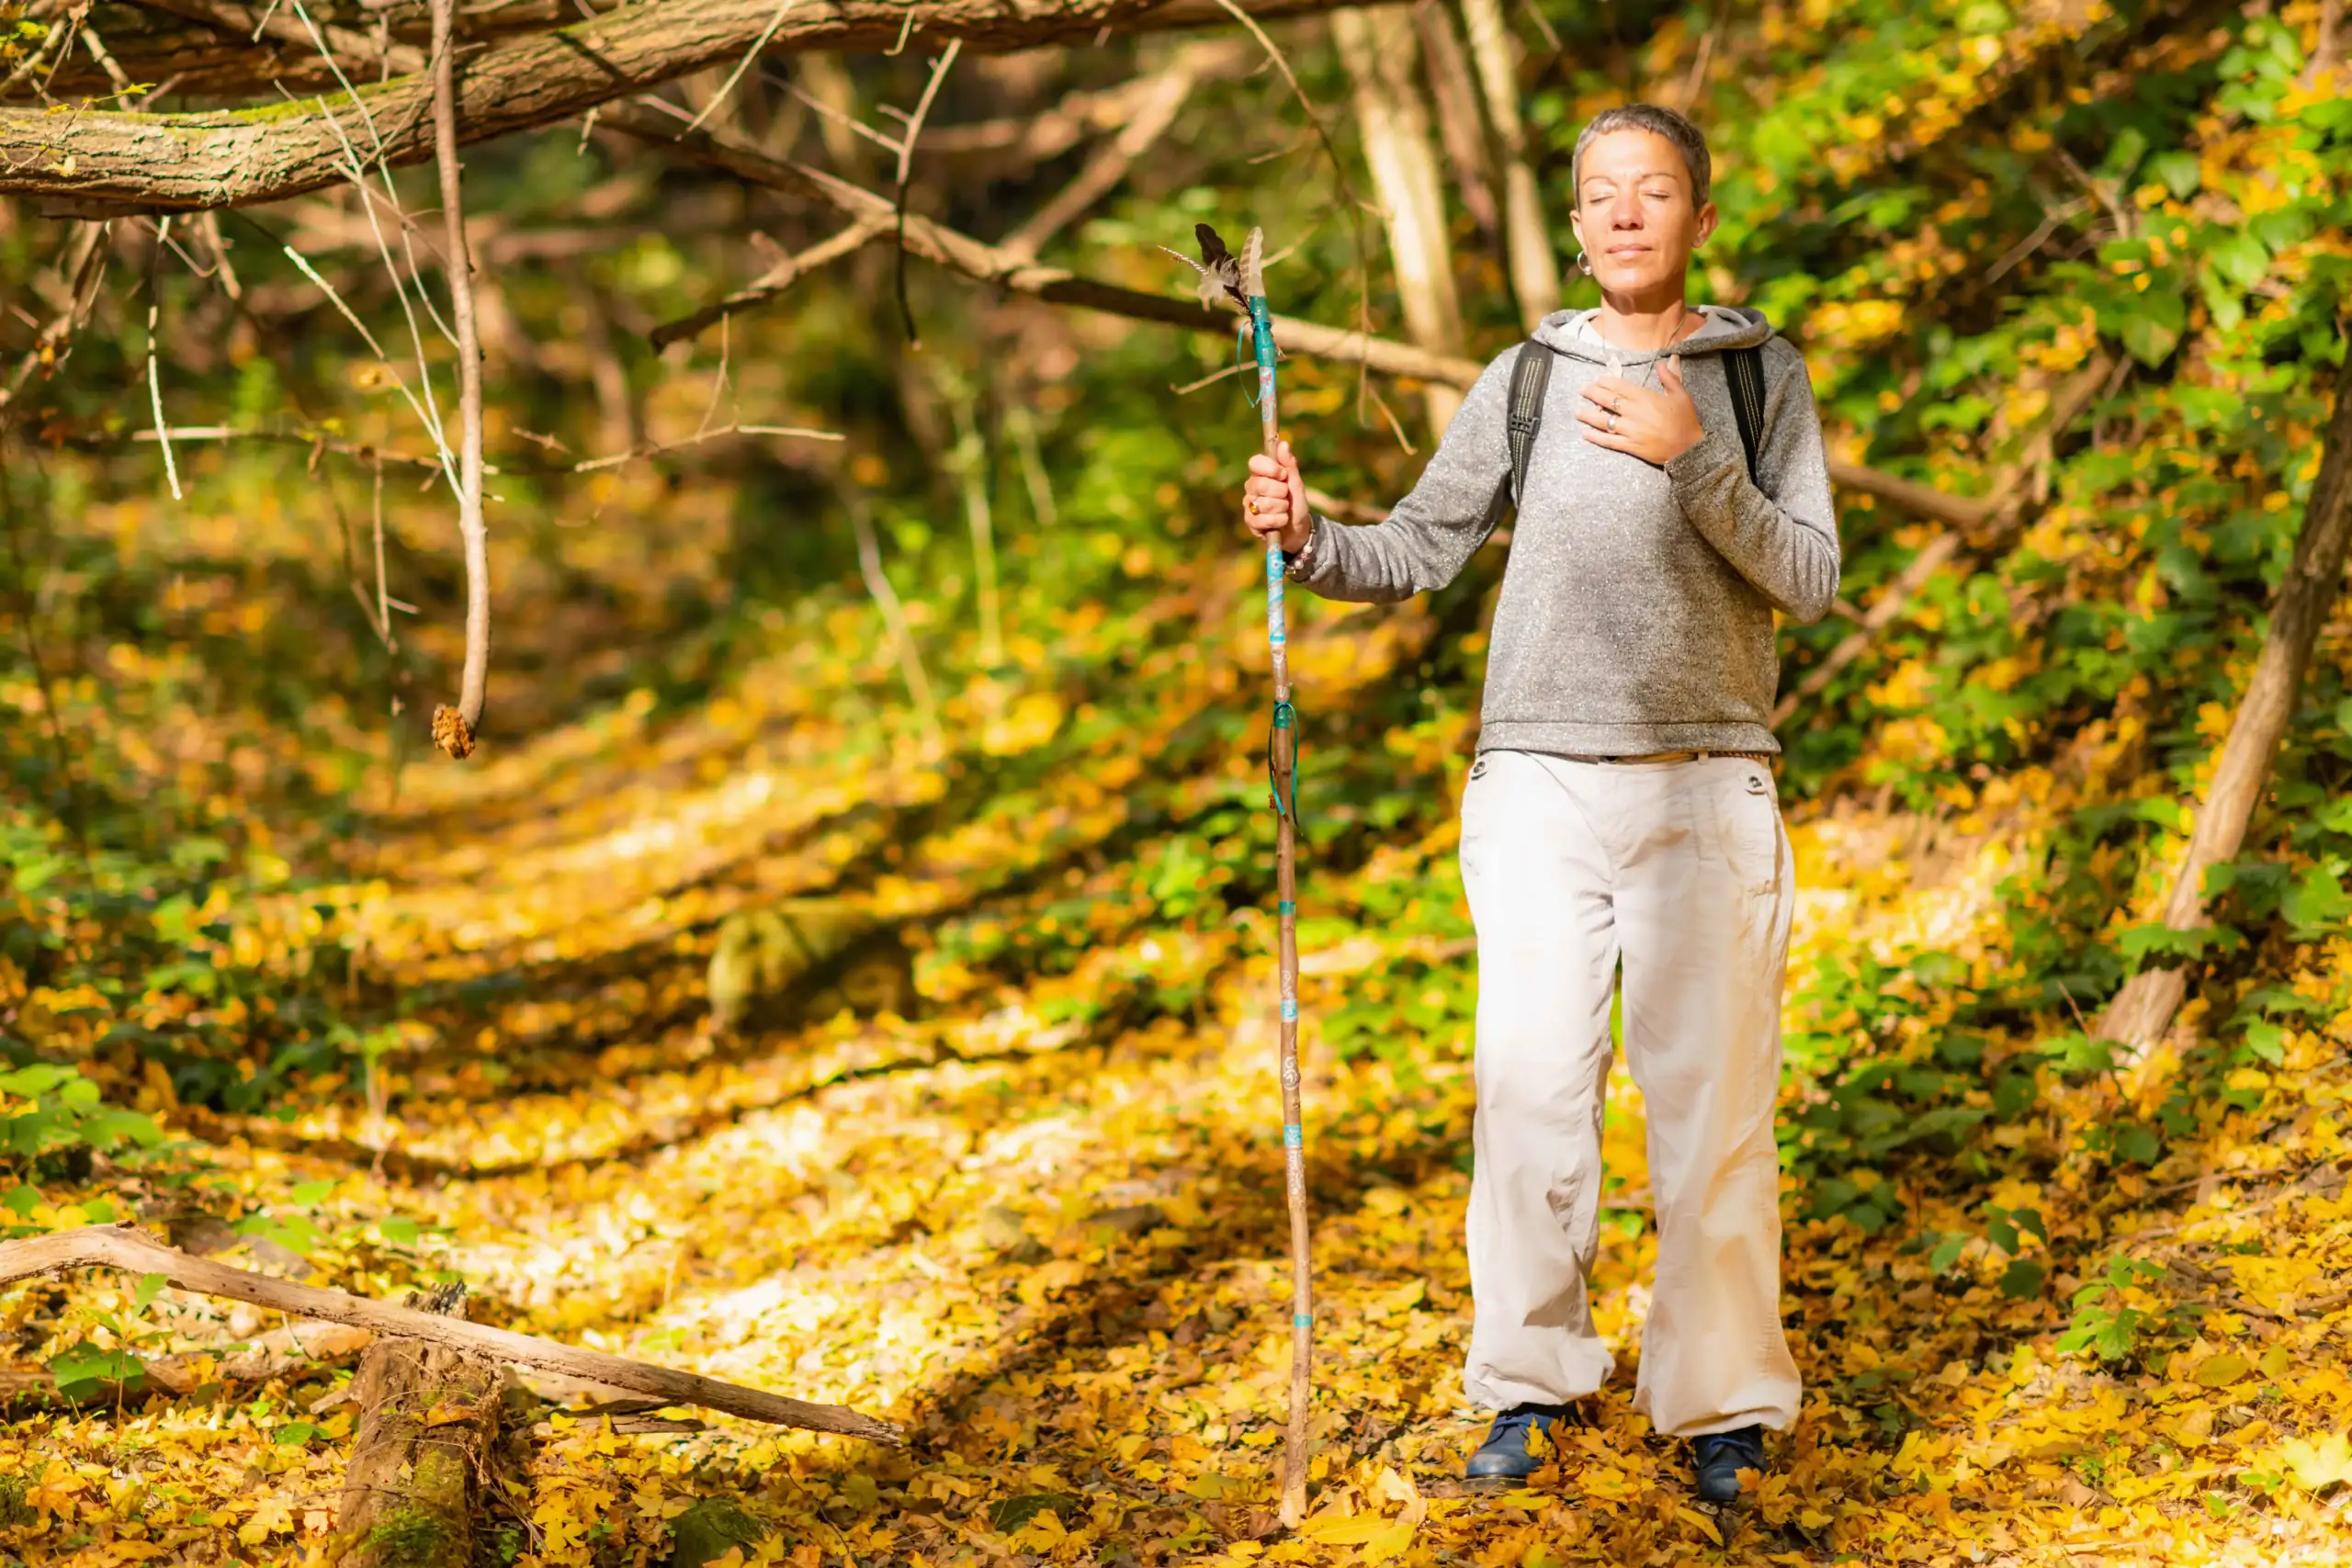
(123, 1248)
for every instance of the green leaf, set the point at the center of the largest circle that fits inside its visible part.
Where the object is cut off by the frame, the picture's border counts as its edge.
(2153, 327)
(2316, 904)
(399, 1230)
(2178, 172)
(2021, 1280)
(1947, 1252)
(83, 1368)
(294, 1434)
(1007, 1514)
(2240, 257)
(150, 1287)
(310, 1194)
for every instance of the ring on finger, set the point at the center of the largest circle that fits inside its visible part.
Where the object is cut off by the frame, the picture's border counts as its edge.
(1612, 422)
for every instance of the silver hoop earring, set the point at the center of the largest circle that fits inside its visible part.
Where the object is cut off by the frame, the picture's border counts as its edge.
(1584, 264)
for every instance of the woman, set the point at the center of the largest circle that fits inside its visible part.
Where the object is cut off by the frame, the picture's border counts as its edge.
(1620, 809)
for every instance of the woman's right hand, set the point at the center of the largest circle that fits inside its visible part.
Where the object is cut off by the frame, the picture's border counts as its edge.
(1273, 501)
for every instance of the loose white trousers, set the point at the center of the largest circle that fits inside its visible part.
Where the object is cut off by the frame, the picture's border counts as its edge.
(1681, 872)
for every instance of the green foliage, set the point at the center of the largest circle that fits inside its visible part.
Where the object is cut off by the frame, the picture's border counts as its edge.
(2106, 1322)
(707, 1528)
(66, 1111)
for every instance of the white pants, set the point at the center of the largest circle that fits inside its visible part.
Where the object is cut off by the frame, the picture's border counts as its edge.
(1681, 871)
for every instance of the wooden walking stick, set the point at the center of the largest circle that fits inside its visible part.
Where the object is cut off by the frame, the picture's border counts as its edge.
(1242, 280)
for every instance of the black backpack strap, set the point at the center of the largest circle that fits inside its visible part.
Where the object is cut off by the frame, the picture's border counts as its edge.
(1744, 368)
(1530, 374)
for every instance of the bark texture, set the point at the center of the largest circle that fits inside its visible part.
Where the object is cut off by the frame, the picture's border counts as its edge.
(2143, 1010)
(103, 162)
(125, 1248)
(1382, 52)
(428, 1424)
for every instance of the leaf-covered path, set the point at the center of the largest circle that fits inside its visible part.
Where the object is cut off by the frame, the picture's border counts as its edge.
(1049, 1237)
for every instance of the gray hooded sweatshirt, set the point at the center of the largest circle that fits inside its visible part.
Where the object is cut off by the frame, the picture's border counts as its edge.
(1637, 609)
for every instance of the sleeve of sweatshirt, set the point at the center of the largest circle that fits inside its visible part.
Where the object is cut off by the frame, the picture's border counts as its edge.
(1782, 537)
(1422, 544)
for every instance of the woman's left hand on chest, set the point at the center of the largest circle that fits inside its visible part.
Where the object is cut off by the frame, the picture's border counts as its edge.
(1654, 426)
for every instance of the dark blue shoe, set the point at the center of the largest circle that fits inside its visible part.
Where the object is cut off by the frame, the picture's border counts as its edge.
(1719, 1457)
(1504, 1455)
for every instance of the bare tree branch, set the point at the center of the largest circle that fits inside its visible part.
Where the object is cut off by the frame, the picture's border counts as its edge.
(1154, 112)
(95, 163)
(772, 282)
(992, 264)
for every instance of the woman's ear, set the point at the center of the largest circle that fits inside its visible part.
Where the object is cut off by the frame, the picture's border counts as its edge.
(1706, 226)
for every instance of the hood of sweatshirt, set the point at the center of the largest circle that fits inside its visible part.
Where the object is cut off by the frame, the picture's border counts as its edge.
(1726, 327)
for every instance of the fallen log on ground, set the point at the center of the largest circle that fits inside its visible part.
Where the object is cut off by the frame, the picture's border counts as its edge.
(124, 1248)
(429, 1419)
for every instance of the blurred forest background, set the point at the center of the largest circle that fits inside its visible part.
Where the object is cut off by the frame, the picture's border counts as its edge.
(875, 660)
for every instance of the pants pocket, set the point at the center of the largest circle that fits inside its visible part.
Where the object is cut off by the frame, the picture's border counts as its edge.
(1748, 815)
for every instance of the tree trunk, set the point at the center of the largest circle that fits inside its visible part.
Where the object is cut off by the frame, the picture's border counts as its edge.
(1462, 129)
(1534, 269)
(427, 1427)
(2143, 1010)
(1381, 56)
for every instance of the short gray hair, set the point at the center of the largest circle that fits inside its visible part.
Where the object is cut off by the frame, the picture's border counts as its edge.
(1688, 138)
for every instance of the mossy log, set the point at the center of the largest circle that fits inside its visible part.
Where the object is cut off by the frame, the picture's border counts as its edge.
(428, 1423)
(804, 959)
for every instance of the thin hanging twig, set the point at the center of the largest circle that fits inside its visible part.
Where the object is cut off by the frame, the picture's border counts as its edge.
(453, 728)
(742, 65)
(906, 168)
(154, 374)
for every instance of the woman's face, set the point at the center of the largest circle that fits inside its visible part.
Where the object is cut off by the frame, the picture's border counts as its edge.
(1634, 215)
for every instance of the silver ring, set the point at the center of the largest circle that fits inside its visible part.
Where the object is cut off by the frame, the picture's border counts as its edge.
(1612, 422)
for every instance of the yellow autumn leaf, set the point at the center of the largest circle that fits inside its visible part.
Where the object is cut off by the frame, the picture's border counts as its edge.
(2220, 1372)
(1343, 1529)
(2316, 1462)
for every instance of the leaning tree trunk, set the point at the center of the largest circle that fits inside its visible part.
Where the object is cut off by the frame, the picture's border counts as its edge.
(1383, 56)
(1534, 270)
(427, 1429)
(2143, 1010)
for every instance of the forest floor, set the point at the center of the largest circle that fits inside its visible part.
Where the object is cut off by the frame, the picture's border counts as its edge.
(1059, 1254)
